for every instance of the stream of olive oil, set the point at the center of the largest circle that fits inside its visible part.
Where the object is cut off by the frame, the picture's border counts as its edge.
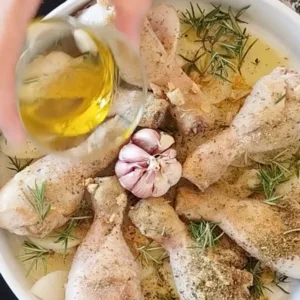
(72, 101)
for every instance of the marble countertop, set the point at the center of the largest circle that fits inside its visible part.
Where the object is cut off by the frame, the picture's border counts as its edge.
(294, 4)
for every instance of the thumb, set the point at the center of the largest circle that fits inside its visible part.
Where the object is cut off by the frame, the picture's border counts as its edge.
(10, 123)
(130, 16)
(14, 17)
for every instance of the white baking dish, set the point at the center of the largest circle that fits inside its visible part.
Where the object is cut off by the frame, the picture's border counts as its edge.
(275, 21)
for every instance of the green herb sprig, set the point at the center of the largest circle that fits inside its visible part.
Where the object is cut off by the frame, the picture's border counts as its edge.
(270, 176)
(275, 172)
(279, 280)
(146, 254)
(66, 235)
(192, 63)
(218, 29)
(206, 234)
(257, 290)
(17, 165)
(35, 254)
(39, 201)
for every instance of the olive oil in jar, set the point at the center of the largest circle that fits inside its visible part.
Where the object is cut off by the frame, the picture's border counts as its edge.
(67, 91)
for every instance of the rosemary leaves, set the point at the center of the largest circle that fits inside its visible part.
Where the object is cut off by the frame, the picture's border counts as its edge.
(17, 165)
(149, 254)
(224, 44)
(275, 172)
(206, 234)
(280, 280)
(35, 254)
(38, 201)
(259, 274)
(270, 176)
(258, 287)
(67, 235)
(191, 64)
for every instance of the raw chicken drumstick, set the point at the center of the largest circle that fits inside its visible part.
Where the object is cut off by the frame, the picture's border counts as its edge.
(257, 227)
(103, 267)
(159, 40)
(196, 274)
(268, 120)
(63, 181)
(160, 35)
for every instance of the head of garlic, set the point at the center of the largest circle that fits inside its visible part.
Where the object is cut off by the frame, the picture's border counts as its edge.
(147, 165)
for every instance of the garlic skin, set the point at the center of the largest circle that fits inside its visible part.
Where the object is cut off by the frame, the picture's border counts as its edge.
(147, 165)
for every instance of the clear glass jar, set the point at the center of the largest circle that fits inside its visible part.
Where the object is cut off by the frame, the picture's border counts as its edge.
(68, 79)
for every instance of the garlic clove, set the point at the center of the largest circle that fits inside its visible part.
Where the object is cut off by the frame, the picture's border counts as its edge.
(166, 141)
(161, 185)
(129, 180)
(132, 154)
(169, 154)
(144, 187)
(147, 139)
(123, 168)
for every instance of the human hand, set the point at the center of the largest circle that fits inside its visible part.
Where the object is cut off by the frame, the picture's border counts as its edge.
(129, 17)
(14, 17)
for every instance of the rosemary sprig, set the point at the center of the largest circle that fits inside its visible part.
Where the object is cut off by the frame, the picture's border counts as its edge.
(270, 177)
(281, 164)
(189, 17)
(191, 64)
(39, 202)
(217, 30)
(258, 288)
(66, 235)
(241, 12)
(233, 49)
(281, 279)
(146, 254)
(17, 165)
(280, 98)
(243, 52)
(220, 63)
(275, 172)
(35, 254)
(205, 233)
(235, 25)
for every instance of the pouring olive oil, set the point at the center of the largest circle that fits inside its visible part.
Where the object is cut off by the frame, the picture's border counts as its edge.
(67, 79)
(72, 93)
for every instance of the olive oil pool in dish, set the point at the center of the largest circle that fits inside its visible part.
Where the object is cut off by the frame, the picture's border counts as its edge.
(217, 43)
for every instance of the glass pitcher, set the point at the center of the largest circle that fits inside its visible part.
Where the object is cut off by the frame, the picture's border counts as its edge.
(68, 79)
